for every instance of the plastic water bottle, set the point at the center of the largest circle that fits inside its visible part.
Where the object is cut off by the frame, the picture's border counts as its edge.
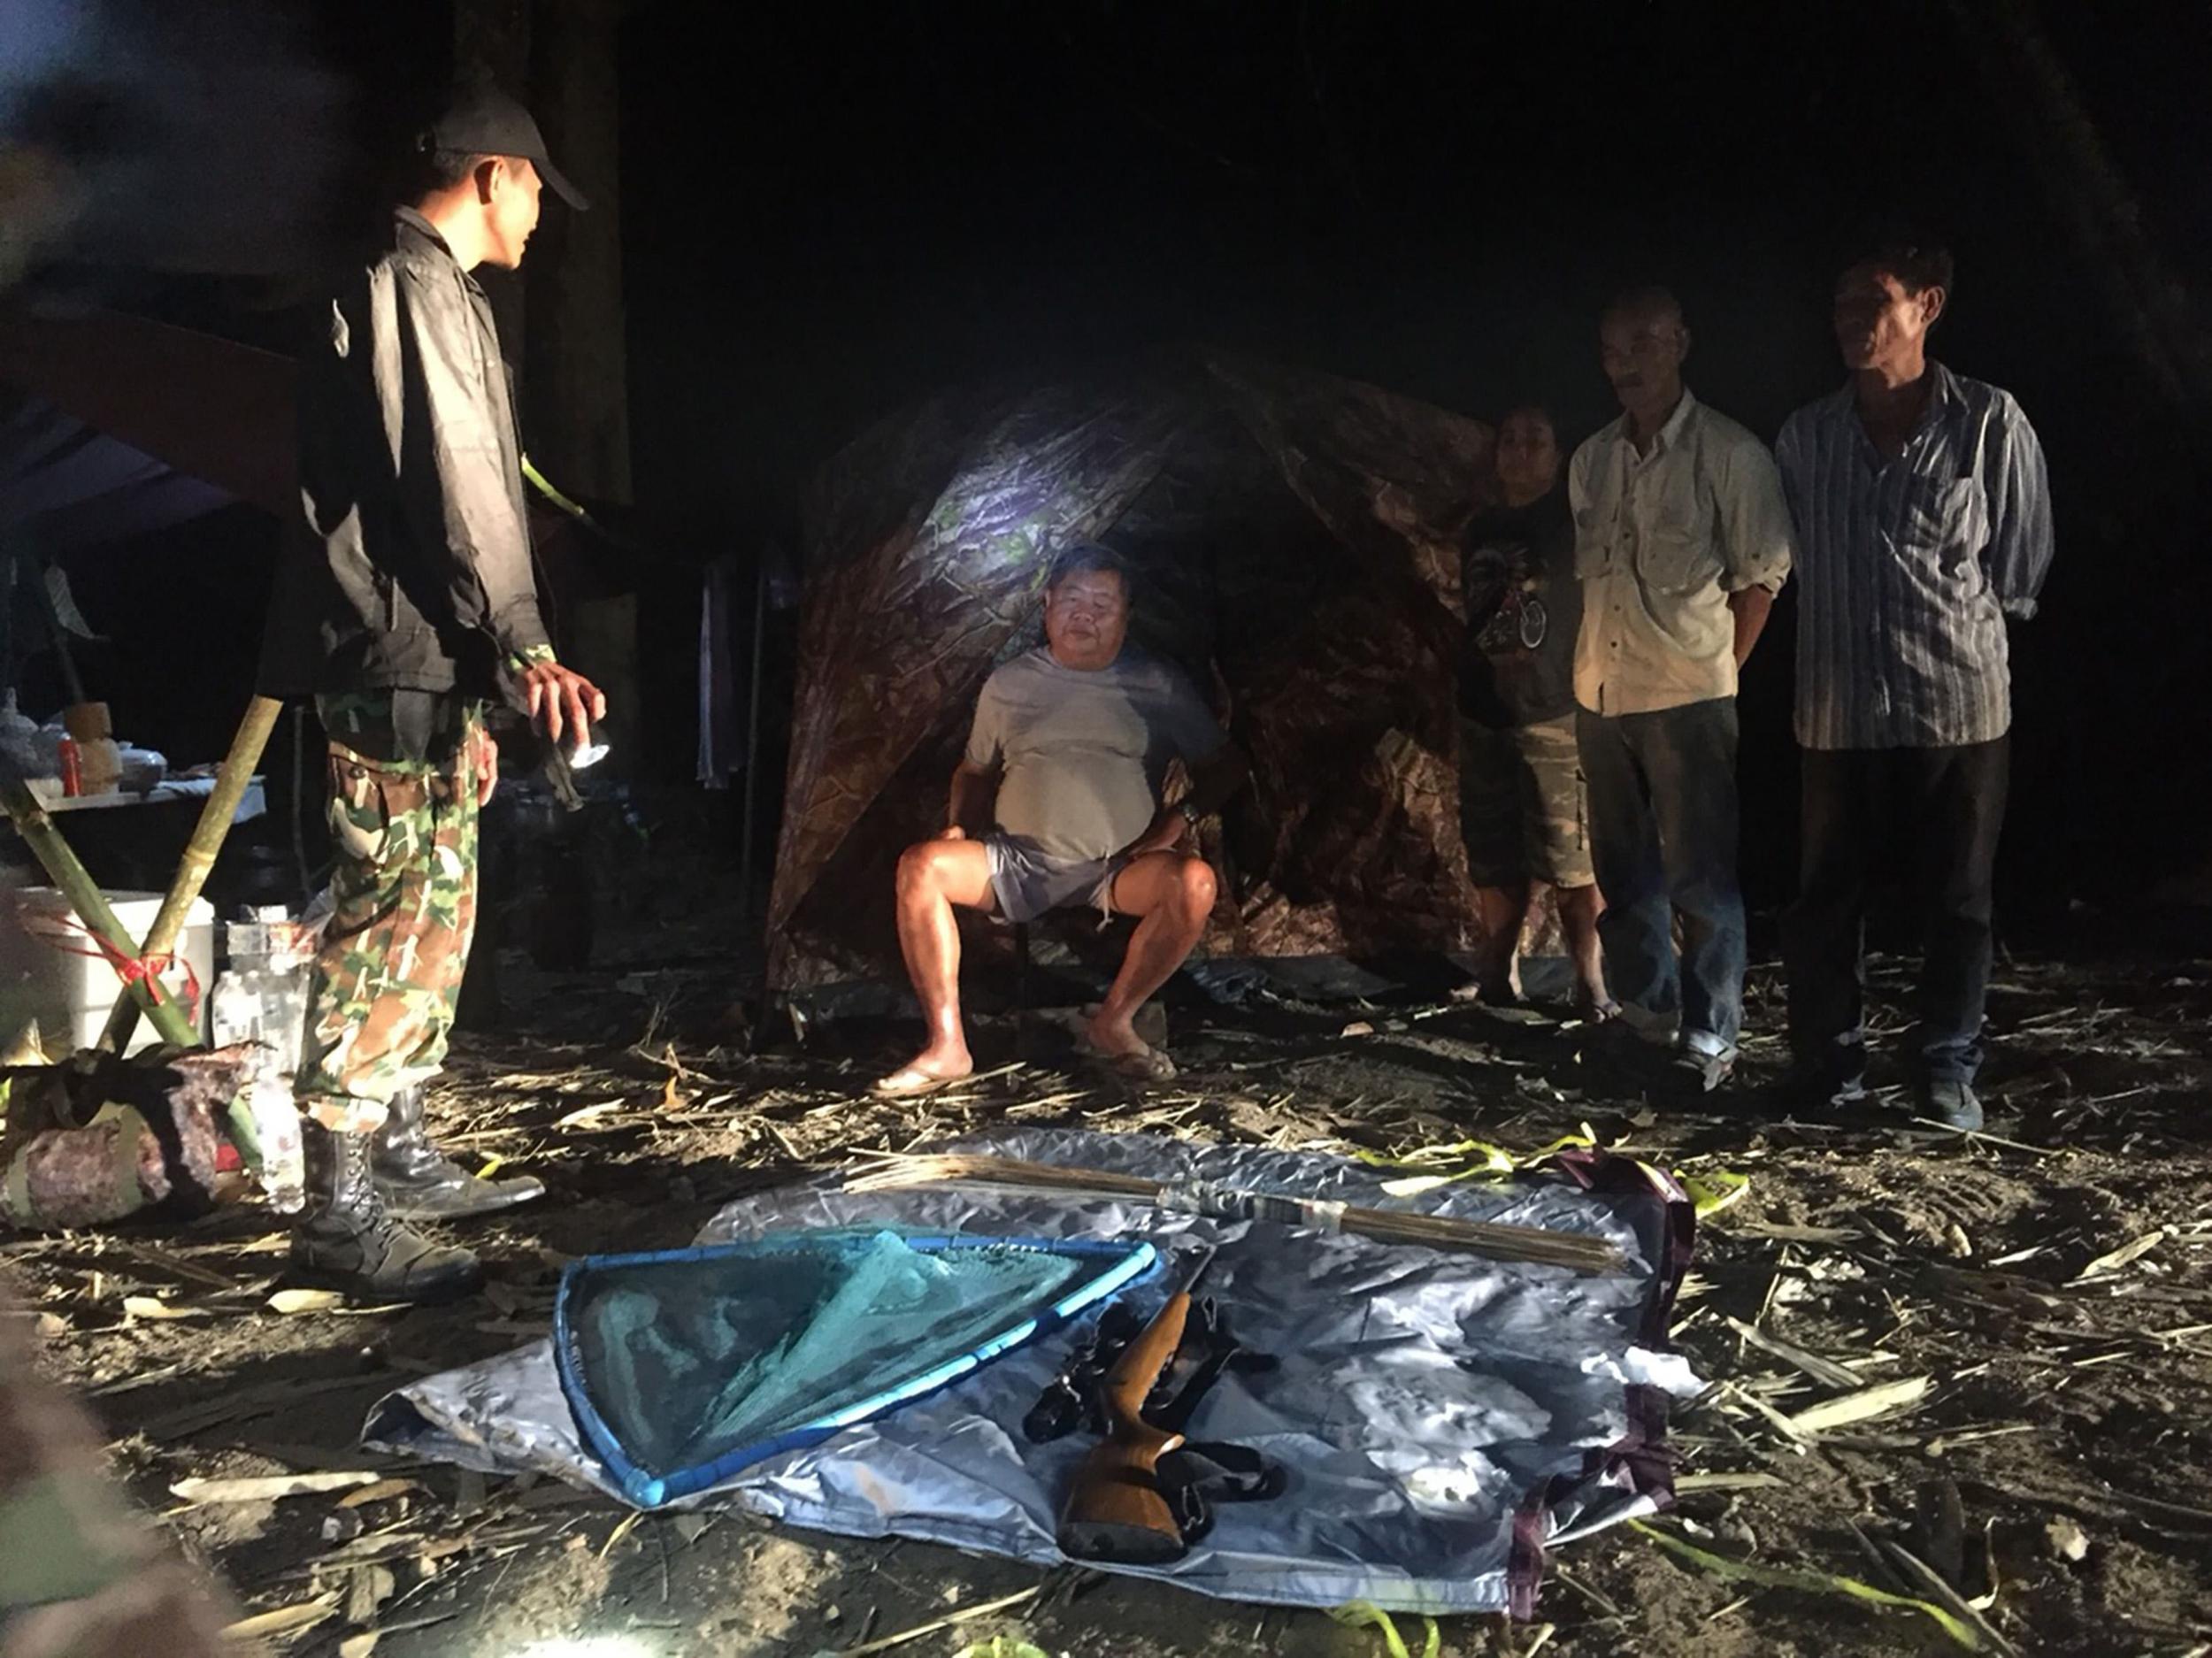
(276, 1128)
(234, 1010)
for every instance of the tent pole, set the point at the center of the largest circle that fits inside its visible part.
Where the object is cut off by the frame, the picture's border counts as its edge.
(7, 620)
(199, 854)
(37, 826)
(752, 742)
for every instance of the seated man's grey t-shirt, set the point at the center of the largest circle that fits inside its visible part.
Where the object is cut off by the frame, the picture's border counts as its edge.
(1083, 753)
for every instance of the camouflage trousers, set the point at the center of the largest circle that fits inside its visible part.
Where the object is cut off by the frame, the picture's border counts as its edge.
(81, 1575)
(1523, 809)
(380, 1003)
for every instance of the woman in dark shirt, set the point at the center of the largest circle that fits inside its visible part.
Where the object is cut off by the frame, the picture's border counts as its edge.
(1522, 810)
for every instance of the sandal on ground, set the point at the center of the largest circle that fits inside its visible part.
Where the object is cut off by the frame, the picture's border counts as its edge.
(1144, 1063)
(910, 1082)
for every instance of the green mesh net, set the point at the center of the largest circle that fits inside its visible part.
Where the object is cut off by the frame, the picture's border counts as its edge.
(684, 1367)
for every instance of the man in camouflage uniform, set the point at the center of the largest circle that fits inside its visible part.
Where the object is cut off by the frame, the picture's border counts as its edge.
(414, 609)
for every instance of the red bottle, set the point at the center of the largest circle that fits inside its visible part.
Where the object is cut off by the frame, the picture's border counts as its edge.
(72, 769)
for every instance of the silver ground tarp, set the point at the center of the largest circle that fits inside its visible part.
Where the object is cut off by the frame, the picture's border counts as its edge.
(1443, 1417)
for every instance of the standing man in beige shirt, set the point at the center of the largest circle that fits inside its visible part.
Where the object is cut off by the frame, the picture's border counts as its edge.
(1682, 539)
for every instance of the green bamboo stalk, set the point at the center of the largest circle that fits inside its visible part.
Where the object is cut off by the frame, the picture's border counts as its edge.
(199, 855)
(75, 882)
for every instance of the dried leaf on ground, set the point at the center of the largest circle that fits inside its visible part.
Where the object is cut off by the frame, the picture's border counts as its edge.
(1824, 1370)
(1885, 1399)
(2126, 1252)
(367, 1589)
(285, 1620)
(153, 1306)
(267, 1489)
(293, 1302)
(584, 1116)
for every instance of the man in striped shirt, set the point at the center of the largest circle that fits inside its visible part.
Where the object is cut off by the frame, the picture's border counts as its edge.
(1923, 526)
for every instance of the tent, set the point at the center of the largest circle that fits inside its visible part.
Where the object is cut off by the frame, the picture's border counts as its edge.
(206, 421)
(1293, 533)
(122, 424)
(159, 422)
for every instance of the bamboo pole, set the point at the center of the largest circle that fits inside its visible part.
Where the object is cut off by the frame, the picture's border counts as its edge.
(37, 826)
(199, 854)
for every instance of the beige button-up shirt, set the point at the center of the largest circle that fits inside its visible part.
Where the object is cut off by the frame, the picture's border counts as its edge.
(1661, 540)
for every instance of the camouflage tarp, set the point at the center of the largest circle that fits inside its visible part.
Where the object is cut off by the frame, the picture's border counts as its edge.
(1292, 532)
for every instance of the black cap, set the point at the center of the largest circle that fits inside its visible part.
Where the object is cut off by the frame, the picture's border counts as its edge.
(482, 120)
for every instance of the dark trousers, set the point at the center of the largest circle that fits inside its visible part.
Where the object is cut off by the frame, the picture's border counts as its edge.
(1945, 807)
(1662, 836)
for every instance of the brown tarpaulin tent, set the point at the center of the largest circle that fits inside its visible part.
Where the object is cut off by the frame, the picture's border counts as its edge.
(1293, 536)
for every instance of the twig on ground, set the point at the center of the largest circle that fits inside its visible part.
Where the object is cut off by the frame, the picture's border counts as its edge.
(951, 1620)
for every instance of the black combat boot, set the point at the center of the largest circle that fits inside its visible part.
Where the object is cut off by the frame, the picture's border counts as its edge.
(346, 1239)
(418, 1183)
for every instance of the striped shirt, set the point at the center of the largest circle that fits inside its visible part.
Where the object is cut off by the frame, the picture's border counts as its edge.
(1661, 540)
(1908, 567)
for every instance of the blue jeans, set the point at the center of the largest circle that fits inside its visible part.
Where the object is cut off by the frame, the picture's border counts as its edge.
(1662, 836)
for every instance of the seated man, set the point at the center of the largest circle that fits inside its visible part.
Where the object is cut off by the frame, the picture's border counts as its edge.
(1074, 741)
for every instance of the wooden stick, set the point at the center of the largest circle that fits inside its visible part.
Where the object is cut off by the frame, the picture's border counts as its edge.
(199, 854)
(37, 826)
(1500, 1241)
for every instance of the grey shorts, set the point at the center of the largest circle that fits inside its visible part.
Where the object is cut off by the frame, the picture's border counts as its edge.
(1028, 881)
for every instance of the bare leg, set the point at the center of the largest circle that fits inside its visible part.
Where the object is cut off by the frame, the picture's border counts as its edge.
(1579, 907)
(1171, 893)
(934, 876)
(1504, 908)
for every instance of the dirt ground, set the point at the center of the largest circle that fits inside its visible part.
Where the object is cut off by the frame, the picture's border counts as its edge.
(2048, 1283)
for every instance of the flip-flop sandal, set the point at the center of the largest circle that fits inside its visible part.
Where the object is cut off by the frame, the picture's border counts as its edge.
(1145, 1064)
(907, 1083)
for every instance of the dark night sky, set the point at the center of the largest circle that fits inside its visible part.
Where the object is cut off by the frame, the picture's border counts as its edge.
(831, 212)
(833, 209)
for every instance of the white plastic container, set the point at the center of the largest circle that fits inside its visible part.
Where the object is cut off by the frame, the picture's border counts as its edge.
(52, 970)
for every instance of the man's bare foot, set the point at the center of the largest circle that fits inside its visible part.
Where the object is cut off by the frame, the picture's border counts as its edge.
(927, 1072)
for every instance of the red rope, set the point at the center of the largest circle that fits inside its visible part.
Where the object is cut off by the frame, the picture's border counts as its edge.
(132, 969)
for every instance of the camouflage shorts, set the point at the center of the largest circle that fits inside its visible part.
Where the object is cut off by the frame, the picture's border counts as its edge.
(1522, 810)
(380, 1004)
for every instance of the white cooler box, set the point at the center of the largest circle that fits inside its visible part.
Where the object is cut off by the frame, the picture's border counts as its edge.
(43, 977)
